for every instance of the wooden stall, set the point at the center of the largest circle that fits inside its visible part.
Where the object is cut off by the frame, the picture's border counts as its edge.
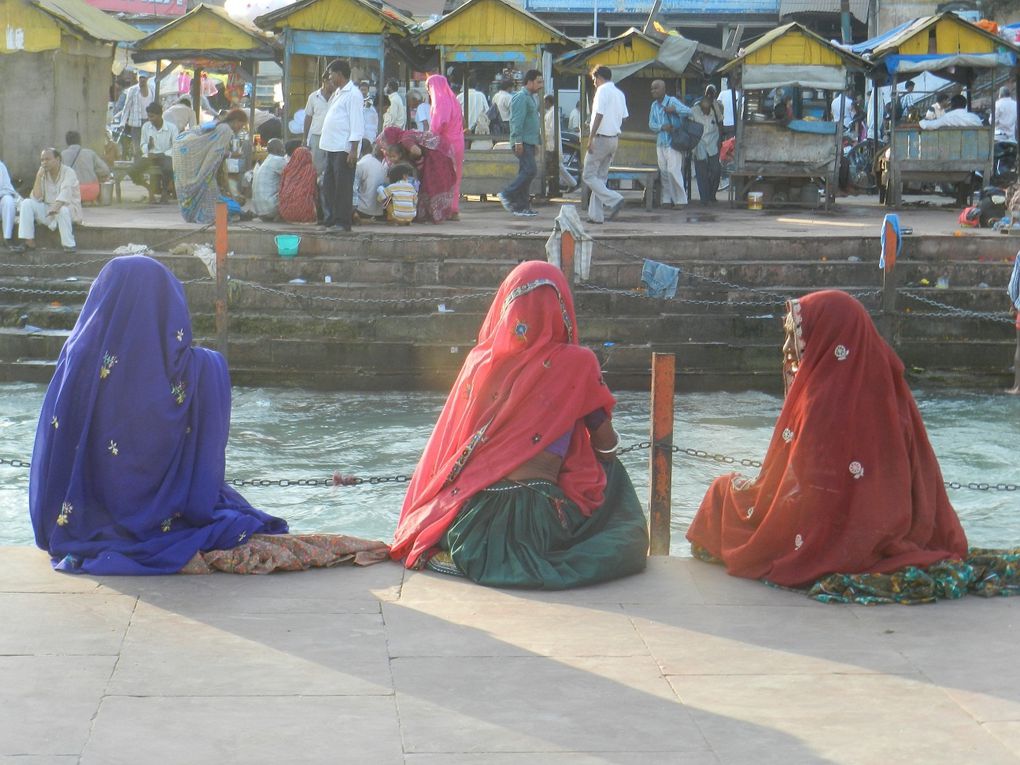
(206, 38)
(787, 161)
(492, 31)
(314, 29)
(637, 59)
(953, 49)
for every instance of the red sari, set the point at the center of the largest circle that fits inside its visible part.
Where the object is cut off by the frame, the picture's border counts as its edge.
(850, 483)
(437, 171)
(525, 384)
(298, 188)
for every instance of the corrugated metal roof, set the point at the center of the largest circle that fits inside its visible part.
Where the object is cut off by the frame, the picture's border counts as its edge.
(858, 8)
(79, 15)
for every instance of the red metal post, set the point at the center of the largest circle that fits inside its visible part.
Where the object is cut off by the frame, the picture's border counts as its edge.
(221, 278)
(661, 456)
(567, 256)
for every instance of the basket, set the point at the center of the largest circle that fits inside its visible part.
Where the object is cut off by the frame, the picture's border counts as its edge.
(287, 245)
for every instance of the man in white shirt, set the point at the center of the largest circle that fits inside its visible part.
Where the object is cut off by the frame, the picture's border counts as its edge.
(574, 120)
(265, 185)
(608, 111)
(315, 115)
(841, 101)
(419, 106)
(396, 114)
(957, 116)
(342, 131)
(157, 142)
(180, 114)
(8, 205)
(55, 202)
(371, 115)
(1005, 116)
(369, 175)
(477, 106)
(501, 100)
(729, 126)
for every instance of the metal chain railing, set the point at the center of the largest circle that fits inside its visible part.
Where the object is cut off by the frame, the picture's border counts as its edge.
(950, 311)
(340, 479)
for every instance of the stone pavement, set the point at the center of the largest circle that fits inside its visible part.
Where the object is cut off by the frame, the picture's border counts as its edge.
(681, 664)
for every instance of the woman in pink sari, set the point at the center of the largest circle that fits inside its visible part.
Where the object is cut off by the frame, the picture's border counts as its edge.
(447, 122)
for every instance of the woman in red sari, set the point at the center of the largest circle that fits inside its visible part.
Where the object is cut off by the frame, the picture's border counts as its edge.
(447, 122)
(850, 484)
(298, 188)
(519, 485)
(434, 159)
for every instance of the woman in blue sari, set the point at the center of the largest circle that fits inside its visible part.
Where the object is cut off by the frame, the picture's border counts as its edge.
(200, 169)
(127, 472)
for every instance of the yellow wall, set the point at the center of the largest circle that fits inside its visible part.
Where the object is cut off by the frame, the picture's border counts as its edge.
(205, 31)
(628, 52)
(336, 16)
(795, 48)
(23, 27)
(488, 24)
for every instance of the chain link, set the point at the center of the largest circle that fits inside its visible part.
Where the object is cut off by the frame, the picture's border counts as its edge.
(360, 301)
(28, 291)
(950, 311)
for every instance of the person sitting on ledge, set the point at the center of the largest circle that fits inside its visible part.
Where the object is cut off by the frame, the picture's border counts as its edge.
(519, 485)
(55, 201)
(127, 471)
(850, 501)
(87, 165)
(265, 184)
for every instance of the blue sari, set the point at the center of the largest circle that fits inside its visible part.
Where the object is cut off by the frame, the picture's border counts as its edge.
(128, 468)
(197, 155)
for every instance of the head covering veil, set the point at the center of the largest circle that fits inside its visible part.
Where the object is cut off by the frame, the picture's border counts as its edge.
(850, 483)
(525, 384)
(127, 471)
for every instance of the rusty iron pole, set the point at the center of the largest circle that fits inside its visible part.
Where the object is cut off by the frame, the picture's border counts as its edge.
(661, 455)
(567, 256)
(221, 278)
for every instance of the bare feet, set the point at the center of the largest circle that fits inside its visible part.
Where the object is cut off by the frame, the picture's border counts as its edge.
(1014, 391)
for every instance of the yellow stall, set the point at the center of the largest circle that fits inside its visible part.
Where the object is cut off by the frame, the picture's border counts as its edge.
(491, 31)
(953, 49)
(311, 30)
(788, 159)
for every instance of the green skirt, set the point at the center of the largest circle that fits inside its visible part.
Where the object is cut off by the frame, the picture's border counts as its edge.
(528, 534)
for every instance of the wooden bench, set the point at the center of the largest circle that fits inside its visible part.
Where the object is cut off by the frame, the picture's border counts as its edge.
(122, 168)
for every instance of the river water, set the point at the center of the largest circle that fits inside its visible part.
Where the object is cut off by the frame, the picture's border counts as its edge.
(291, 434)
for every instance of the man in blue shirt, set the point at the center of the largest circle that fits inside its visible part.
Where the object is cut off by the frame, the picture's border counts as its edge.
(666, 114)
(525, 138)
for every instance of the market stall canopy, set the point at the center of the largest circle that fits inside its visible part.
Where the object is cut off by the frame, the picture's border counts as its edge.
(491, 30)
(37, 25)
(358, 16)
(635, 53)
(793, 56)
(939, 44)
(205, 33)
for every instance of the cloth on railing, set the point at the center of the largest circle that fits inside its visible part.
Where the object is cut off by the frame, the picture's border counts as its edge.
(569, 220)
(892, 242)
(660, 279)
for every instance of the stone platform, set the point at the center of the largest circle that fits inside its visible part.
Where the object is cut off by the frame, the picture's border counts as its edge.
(377, 322)
(681, 664)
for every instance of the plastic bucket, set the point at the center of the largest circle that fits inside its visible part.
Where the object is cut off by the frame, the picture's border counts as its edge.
(106, 193)
(287, 245)
(755, 200)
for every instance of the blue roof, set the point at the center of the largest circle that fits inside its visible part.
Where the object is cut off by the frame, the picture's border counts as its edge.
(868, 45)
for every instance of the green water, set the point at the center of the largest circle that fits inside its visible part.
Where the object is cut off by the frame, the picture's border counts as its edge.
(292, 434)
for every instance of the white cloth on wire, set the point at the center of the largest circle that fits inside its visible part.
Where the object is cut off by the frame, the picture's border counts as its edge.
(569, 220)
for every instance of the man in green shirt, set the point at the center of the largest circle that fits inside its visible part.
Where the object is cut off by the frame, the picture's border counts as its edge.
(525, 138)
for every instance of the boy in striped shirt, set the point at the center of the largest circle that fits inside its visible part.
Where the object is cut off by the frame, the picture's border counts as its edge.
(400, 197)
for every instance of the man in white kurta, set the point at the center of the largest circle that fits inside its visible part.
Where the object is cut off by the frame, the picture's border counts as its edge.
(8, 205)
(55, 202)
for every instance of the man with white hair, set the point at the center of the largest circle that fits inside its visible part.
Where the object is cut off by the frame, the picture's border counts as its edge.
(1005, 116)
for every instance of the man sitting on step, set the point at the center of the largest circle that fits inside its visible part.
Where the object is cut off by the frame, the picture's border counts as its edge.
(8, 205)
(55, 201)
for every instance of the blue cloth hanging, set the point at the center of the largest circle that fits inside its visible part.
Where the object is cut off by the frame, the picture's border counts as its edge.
(660, 280)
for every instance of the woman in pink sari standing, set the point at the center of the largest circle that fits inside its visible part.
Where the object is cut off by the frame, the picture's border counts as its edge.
(447, 122)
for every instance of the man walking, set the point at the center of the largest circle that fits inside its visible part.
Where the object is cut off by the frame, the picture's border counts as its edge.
(136, 99)
(608, 110)
(664, 116)
(342, 131)
(525, 138)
